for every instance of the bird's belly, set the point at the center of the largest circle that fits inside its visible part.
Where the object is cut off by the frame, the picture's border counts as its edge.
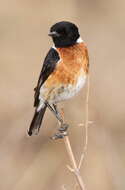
(70, 90)
(63, 92)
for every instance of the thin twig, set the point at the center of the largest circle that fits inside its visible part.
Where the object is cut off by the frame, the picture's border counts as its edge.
(74, 168)
(87, 115)
(86, 123)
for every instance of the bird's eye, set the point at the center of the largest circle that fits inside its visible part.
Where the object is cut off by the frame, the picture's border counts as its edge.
(62, 32)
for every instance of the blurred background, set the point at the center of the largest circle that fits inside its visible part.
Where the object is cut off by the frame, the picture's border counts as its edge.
(37, 162)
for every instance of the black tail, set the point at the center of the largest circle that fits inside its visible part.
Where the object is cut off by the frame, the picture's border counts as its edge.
(36, 122)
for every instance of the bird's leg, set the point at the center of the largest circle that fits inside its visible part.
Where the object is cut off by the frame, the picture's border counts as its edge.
(54, 112)
(64, 126)
(63, 129)
(57, 112)
(55, 108)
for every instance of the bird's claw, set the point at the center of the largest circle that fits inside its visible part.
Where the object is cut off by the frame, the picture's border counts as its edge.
(59, 135)
(62, 132)
(63, 127)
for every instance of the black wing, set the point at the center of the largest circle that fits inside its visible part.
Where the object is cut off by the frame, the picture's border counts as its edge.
(48, 67)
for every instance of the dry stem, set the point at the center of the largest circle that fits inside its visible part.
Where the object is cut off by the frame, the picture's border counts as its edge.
(74, 168)
(86, 123)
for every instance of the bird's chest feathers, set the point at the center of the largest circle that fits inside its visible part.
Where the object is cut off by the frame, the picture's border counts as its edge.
(72, 63)
(71, 67)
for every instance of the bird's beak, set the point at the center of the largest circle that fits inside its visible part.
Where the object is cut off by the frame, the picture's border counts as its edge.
(54, 34)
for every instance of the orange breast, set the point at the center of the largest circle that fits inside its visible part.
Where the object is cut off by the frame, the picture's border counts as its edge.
(74, 62)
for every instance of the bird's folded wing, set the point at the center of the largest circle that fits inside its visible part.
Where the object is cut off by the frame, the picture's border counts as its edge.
(49, 65)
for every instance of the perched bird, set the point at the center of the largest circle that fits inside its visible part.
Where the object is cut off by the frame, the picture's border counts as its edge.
(63, 72)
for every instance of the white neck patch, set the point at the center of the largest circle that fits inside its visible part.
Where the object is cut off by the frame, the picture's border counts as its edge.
(79, 40)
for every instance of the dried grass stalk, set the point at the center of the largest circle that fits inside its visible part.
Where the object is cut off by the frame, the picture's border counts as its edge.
(74, 168)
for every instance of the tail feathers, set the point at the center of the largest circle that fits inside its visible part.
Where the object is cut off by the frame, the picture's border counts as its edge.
(36, 122)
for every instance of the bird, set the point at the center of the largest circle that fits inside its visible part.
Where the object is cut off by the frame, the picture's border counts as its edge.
(63, 74)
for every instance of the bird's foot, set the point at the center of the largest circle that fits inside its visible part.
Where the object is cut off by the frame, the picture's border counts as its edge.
(64, 127)
(59, 135)
(62, 132)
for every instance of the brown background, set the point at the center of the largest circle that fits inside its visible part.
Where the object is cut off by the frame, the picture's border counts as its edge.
(37, 162)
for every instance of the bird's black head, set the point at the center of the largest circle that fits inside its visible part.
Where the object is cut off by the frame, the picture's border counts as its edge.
(64, 34)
